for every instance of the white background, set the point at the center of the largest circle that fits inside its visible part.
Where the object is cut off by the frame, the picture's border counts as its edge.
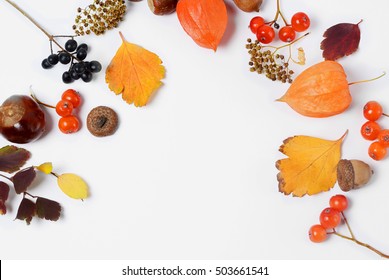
(191, 175)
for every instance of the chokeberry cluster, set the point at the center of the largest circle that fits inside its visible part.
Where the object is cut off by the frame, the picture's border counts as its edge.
(330, 218)
(372, 131)
(75, 55)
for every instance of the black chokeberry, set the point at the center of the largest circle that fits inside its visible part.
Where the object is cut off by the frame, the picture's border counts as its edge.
(83, 46)
(46, 64)
(94, 66)
(79, 68)
(86, 76)
(53, 59)
(74, 75)
(66, 78)
(276, 25)
(64, 57)
(81, 54)
(71, 45)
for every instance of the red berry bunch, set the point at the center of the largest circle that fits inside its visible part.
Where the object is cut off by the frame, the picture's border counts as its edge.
(70, 100)
(330, 218)
(372, 131)
(265, 32)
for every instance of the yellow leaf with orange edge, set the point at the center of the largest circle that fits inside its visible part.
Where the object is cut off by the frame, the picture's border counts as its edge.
(310, 167)
(134, 72)
(46, 167)
(73, 185)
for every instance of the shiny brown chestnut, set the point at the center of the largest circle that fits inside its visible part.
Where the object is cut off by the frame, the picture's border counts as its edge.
(21, 119)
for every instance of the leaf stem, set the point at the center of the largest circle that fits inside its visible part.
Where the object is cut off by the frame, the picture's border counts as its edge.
(369, 80)
(2, 175)
(32, 196)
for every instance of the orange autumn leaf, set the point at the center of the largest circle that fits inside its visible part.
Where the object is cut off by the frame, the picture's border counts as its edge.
(205, 21)
(135, 73)
(311, 166)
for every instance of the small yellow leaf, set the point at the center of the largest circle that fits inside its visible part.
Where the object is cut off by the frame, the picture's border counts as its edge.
(301, 56)
(311, 166)
(135, 73)
(46, 167)
(73, 185)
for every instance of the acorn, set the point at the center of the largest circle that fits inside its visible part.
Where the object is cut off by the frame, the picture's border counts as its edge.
(248, 5)
(353, 174)
(162, 7)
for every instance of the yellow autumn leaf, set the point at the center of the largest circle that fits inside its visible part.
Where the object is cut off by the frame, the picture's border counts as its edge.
(46, 167)
(73, 185)
(311, 166)
(135, 73)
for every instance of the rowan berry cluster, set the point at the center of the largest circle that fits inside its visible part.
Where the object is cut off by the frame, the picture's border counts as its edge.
(372, 131)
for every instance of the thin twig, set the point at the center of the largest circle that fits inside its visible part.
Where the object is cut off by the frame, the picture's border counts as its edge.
(361, 244)
(347, 224)
(51, 37)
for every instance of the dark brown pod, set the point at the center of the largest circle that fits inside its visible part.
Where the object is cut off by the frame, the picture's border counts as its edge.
(102, 121)
(248, 5)
(21, 119)
(162, 7)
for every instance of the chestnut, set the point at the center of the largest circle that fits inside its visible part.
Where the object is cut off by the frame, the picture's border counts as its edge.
(21, 119)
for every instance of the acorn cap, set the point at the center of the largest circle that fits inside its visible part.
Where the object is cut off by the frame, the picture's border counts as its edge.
(345, 174)
(353, 174)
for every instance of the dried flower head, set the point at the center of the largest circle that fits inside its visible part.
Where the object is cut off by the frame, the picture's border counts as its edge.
(98, 17)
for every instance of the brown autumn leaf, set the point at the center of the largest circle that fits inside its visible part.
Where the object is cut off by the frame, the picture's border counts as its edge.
(12, 158)
(205, 21)
(135, 73)
(311, 166)
(340, 40)
(48, 209)
(26, 210)
(23, 179)
(4, 191)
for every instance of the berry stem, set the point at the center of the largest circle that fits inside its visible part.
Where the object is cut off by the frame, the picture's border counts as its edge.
(347, 224)
(278, 13)
(369, 80)
(361, 244)
(289, 44)
(51, 37)
(40, 102)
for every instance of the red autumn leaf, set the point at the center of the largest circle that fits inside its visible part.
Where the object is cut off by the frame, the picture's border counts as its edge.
(26, 210)
(4, 191)
(12, 158)
(23, 179)
(340, 40)
(205, 21)
(48, 209)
